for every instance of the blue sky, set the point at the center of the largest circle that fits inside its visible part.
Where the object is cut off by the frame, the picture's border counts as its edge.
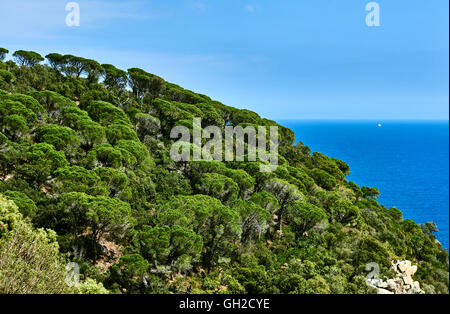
(299, 59)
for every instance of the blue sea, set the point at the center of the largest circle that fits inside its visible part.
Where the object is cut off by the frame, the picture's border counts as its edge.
(406, 160)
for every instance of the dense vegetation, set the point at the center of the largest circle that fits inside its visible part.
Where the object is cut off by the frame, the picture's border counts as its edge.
(86, 176)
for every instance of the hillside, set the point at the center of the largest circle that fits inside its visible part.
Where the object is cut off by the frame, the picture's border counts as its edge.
(85, 155)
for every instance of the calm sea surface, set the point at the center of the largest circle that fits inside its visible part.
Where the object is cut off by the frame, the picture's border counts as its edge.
(406, 160)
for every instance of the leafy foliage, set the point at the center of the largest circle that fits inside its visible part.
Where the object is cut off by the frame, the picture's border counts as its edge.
(85, 156)
(29, 259)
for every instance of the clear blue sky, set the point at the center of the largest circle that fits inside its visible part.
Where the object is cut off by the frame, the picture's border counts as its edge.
(283, 59)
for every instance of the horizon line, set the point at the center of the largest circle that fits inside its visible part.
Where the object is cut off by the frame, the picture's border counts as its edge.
(364, 119)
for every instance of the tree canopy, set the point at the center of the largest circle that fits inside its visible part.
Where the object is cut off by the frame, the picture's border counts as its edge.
(86, 177)
(27, 58)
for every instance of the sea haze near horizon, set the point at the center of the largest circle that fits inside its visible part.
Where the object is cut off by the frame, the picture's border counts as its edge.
(406, 160)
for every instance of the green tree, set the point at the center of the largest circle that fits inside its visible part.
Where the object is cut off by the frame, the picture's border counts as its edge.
(25, 205)
(331, 166)
(147, 125)
(114, 78)
(345, 212)
(371, 250)
(104, 155)
(218, 186)
(101, 215)
(15, 125)
(62, 138)
(170, 183)
(56, 60)
(143, 83)
(30, 262)
(90, 133)
(27, 58)
(11, 107)
(77, 66)
(266, 201)
(116, 181)
(217, 224)
(79, 179)
(138, 150)
(42, 160)
(16, 118)
(6, 79)
(303, 216)
(369, 192)
(31, 104)
(323, 179)
(170, 246)
(355, 188)
(130, 273)
(90, 286)
(93, 71)
(106, 113)
(118, 131)
(285, 193)
(429, 228)
(52, 102)
(3, 53)
(254, 220)
(8, 156)
(245, 181)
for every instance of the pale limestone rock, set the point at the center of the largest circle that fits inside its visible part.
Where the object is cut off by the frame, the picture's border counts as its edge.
(402, 267)
(411, 270)
(392, 285)
(375, 282)
(402, 283)
(407, 280)
(383, 285)
(383, 291)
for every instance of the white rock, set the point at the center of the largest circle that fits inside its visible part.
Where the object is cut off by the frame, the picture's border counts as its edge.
(402, 267)
(384, 291)
(403, 282)
(383, 284)
(408, 280)
(411, 270)
(392, 285)
(374, 282)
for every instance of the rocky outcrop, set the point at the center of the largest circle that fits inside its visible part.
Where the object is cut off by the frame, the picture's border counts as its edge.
(403, 283)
